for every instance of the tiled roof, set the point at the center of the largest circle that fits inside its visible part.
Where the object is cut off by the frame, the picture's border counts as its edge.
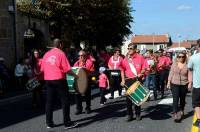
(137, 39)
(186, 44)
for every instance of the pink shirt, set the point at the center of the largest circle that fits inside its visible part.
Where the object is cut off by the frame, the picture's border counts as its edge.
(115, 64)
(88, 64)
(163, 62)
(105, 57)
(139, 63)
(103, 80)
(55, 65)
(37, 70)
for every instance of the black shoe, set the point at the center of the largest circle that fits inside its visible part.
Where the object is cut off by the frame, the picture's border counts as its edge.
(70, 125)
(111, 97)
(129, 118)
(50, 126)
(138, 118)
(197, 123)
(88, 111)
(78, 112)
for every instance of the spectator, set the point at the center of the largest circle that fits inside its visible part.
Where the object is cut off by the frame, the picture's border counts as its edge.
(178, 83)
(194, 78)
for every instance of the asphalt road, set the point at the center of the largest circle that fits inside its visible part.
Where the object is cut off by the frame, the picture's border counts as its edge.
(19, 116)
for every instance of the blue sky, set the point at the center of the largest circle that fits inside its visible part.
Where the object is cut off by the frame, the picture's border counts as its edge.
(178, 18)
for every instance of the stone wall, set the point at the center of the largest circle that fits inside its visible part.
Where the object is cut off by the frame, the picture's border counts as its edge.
(7, 43)
(22, 26)
(6, 33)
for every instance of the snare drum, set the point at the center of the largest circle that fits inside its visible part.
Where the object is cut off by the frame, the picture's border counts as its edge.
(80, 85)
(32, 84)
(137, 93)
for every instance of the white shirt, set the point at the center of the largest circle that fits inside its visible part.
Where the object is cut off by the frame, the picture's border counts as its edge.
(19, 70)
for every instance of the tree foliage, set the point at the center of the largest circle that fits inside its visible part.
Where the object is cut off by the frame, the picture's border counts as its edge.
(96, 22)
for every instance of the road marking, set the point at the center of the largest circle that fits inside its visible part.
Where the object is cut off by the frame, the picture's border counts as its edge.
(166, 101)
(116, 94)
(194, 128)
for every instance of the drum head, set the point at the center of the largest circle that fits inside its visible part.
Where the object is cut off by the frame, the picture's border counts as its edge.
(82, 81)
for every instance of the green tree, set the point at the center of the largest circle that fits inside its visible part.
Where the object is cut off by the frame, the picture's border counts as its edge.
(96, 22)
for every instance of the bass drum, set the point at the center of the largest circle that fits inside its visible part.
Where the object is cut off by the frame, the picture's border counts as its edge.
(79, 85)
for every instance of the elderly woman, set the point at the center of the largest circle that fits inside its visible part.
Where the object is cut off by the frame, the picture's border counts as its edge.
(178, 83)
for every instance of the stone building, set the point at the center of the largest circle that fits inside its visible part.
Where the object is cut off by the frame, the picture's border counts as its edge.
(13, 24)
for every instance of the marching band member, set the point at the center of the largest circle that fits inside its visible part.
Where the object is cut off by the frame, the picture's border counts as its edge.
(163, 68)
(133, 68)
(55, 65)
(151, 72)
(86, 63)
(115, 63)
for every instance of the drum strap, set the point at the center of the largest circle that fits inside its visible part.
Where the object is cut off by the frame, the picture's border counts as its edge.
(132, 66)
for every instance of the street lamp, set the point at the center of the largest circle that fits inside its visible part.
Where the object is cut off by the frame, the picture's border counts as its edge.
(29, 33)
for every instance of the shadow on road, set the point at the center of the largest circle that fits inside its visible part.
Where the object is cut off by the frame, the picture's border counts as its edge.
(110, 110)
(158, 112)
(22, 110)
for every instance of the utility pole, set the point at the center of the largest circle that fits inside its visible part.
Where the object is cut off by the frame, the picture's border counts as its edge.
(179, 44)
(153, 42)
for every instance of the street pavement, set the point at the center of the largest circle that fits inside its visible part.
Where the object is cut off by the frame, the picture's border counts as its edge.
(19, 116)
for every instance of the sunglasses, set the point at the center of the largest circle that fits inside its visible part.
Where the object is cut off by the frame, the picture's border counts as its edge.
(180, 56)
(81, 55)
(130, 48)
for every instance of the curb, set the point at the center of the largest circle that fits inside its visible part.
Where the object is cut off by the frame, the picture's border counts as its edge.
(15, 99)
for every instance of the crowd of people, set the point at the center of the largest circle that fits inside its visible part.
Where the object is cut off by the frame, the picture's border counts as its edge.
(155, 70)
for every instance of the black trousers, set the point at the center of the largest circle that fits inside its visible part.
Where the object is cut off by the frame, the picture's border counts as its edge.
(178, 92)
(79, 99)
(37, 95)
(115, 85)
(102, 94)
(162, 77)
(57, 88)
(128, 83)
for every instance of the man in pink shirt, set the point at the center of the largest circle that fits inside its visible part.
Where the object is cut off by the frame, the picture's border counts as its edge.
(55, 65)
(86, 63)
(163, 70)
(133, 68)
(115, 65)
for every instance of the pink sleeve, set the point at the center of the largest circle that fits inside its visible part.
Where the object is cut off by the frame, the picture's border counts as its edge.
(76, 64)
(65, 63)
(169, 61)
(89, 65)
(109, 62)
(123, 65)
(42, 65)
(145, 64)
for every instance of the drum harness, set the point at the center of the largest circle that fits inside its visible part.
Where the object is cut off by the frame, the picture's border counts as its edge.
(130, 62)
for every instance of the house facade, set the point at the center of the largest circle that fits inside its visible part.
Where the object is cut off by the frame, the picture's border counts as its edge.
(188, 44)
(155, 42)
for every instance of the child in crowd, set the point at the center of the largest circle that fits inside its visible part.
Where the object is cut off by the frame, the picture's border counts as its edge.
(103, 84)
